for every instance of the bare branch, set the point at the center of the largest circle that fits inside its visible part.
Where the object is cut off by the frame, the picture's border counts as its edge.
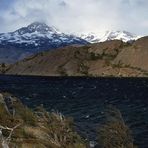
(5, 141)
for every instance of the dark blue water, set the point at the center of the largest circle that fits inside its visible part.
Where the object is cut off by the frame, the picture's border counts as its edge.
(85, 99)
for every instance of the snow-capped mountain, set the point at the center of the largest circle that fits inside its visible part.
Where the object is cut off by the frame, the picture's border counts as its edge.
(34, 38)
(110, 35)
(38, 36)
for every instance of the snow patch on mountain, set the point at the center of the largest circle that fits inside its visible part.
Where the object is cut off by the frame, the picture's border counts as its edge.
(110, 35)
(90, 37)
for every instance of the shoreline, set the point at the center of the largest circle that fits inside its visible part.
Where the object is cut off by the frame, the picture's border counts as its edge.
(82, 77)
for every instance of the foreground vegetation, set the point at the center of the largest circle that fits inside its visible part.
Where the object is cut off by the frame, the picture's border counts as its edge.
(20, 127)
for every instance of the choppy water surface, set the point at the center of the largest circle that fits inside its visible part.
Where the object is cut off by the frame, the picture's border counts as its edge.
(85, 98)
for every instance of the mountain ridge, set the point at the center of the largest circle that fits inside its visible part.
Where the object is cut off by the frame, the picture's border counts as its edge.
(125, 36)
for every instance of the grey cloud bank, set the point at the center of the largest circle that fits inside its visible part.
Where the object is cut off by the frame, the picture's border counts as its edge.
(79, 16)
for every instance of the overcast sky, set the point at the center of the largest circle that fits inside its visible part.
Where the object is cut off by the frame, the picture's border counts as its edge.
(81, 16)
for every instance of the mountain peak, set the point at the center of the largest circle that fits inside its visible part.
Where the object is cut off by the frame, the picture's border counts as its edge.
(37, 27)
(38, 24)
(41, 27)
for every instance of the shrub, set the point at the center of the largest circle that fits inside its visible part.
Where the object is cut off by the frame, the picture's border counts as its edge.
(113, 133)
(61, 132)
(28, 116)
(94, 56)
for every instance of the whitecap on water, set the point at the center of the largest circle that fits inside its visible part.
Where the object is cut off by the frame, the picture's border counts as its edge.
(87, 116)
(27, 98)
(64, 96)
(92, 144)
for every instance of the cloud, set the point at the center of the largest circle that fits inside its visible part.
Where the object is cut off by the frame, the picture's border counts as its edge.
(78, 15)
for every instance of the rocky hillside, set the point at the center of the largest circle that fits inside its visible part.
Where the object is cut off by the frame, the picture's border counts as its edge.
(3, 67)
(110, 58)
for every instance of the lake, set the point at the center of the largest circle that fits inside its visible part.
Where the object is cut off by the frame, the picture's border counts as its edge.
(84, 99)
